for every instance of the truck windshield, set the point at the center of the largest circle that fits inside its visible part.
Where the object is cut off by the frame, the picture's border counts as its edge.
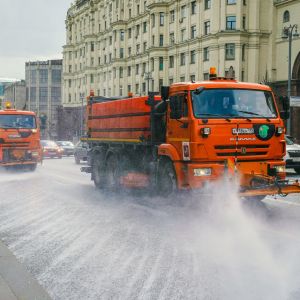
(17, 121)
(235, 103)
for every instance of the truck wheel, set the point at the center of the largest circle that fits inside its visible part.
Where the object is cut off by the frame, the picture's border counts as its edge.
(167, 183)
(297, 170)
(32, 167)
(112, 173)
(98, 172)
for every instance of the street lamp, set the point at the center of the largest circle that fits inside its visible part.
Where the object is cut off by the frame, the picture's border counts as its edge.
(288, 33)
(81, 114)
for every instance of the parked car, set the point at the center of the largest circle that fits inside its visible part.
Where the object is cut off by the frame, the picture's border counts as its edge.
(51, 149)
(68, 147)
(81, 152)
(292, 157)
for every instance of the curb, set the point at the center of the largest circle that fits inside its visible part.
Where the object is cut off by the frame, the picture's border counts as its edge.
(16, 283)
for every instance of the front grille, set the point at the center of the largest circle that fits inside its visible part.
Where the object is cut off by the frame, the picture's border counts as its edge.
(9, 156)
(15, 144)
(241, 154)
(241, 150)
(294, 154)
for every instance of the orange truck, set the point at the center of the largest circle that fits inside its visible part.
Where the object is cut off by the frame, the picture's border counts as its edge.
(19, 138)
(190, 135)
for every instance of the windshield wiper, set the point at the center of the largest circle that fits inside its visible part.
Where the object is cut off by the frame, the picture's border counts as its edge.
(254, 114)
(215, 115)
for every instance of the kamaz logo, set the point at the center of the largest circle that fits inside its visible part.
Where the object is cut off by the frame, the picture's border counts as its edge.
(243, 131)
(14, 136)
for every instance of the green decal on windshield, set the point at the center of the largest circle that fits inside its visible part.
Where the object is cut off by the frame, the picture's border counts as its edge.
(263, 131)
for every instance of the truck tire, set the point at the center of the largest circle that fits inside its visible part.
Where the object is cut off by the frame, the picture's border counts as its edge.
(112, 173)
(167, 182)
(297, 170)
(32, 167)
(98, 171)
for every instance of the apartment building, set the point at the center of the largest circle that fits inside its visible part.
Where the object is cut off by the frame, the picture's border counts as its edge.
(43, 91)
(121, 46)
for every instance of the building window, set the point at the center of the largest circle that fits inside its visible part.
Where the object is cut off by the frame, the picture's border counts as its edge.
(161, 63)
(121, 90)
(183, 31)
(193, 56)
(121, 72)
(161, 19)
(243, 52)
(92, 46)
(231, 2)
(193, 7)
(144, 68)
(161, 40)
(172, 38)
(153, 20)
(144, 87)
(182, 59)
(121, 52)
(171, 61)
(129, 33)
(206, 27)
(244, 23)
(138, 49)
(172, 16)
(153, 40)
(92, 78)
(193, 32)
(152, 64)
(206, 54)
(129, 71)
(137, 69)
(205, 76)
(137, 88)
(207, 4)
(122, 35)
(230, 51)
(231, 23)
(183, 11)
(182, 79)
(128, 88)
(145, 27)
(137, 31)
(193, 78)
(286, 16)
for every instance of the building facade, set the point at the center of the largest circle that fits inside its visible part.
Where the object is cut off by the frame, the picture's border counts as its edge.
(121, 46)
(16, 94)
(43, 92)
(5, 82)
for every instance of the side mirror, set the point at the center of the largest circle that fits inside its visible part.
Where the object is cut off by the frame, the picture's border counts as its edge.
(284, 115)
(176, 106)
(164, 91)
(285, 103)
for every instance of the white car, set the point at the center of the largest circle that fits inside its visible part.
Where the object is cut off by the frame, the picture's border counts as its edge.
(292, 157)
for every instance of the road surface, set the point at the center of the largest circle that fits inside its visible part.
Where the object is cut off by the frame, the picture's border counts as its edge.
(83, 244)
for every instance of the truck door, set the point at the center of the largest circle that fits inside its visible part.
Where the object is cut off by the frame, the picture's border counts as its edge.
(178, 130)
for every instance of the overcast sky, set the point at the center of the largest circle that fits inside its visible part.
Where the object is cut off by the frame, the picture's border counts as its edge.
(30, 30)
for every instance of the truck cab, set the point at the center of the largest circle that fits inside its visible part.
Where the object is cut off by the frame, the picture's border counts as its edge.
(19, 138)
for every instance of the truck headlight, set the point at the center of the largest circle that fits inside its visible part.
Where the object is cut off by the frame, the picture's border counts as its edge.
(279, 169)
(279, 131)
(202, 172)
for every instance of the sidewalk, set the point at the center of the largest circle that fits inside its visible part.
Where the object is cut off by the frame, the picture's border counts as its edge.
(15, 281)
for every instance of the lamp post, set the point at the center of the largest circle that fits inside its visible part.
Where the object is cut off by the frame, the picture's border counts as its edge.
(288, 33)
(81, 114)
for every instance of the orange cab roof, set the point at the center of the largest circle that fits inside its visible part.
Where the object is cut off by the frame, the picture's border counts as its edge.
(16, 112)
(219, 84)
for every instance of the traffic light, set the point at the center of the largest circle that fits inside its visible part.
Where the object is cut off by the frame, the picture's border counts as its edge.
(43, 119)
